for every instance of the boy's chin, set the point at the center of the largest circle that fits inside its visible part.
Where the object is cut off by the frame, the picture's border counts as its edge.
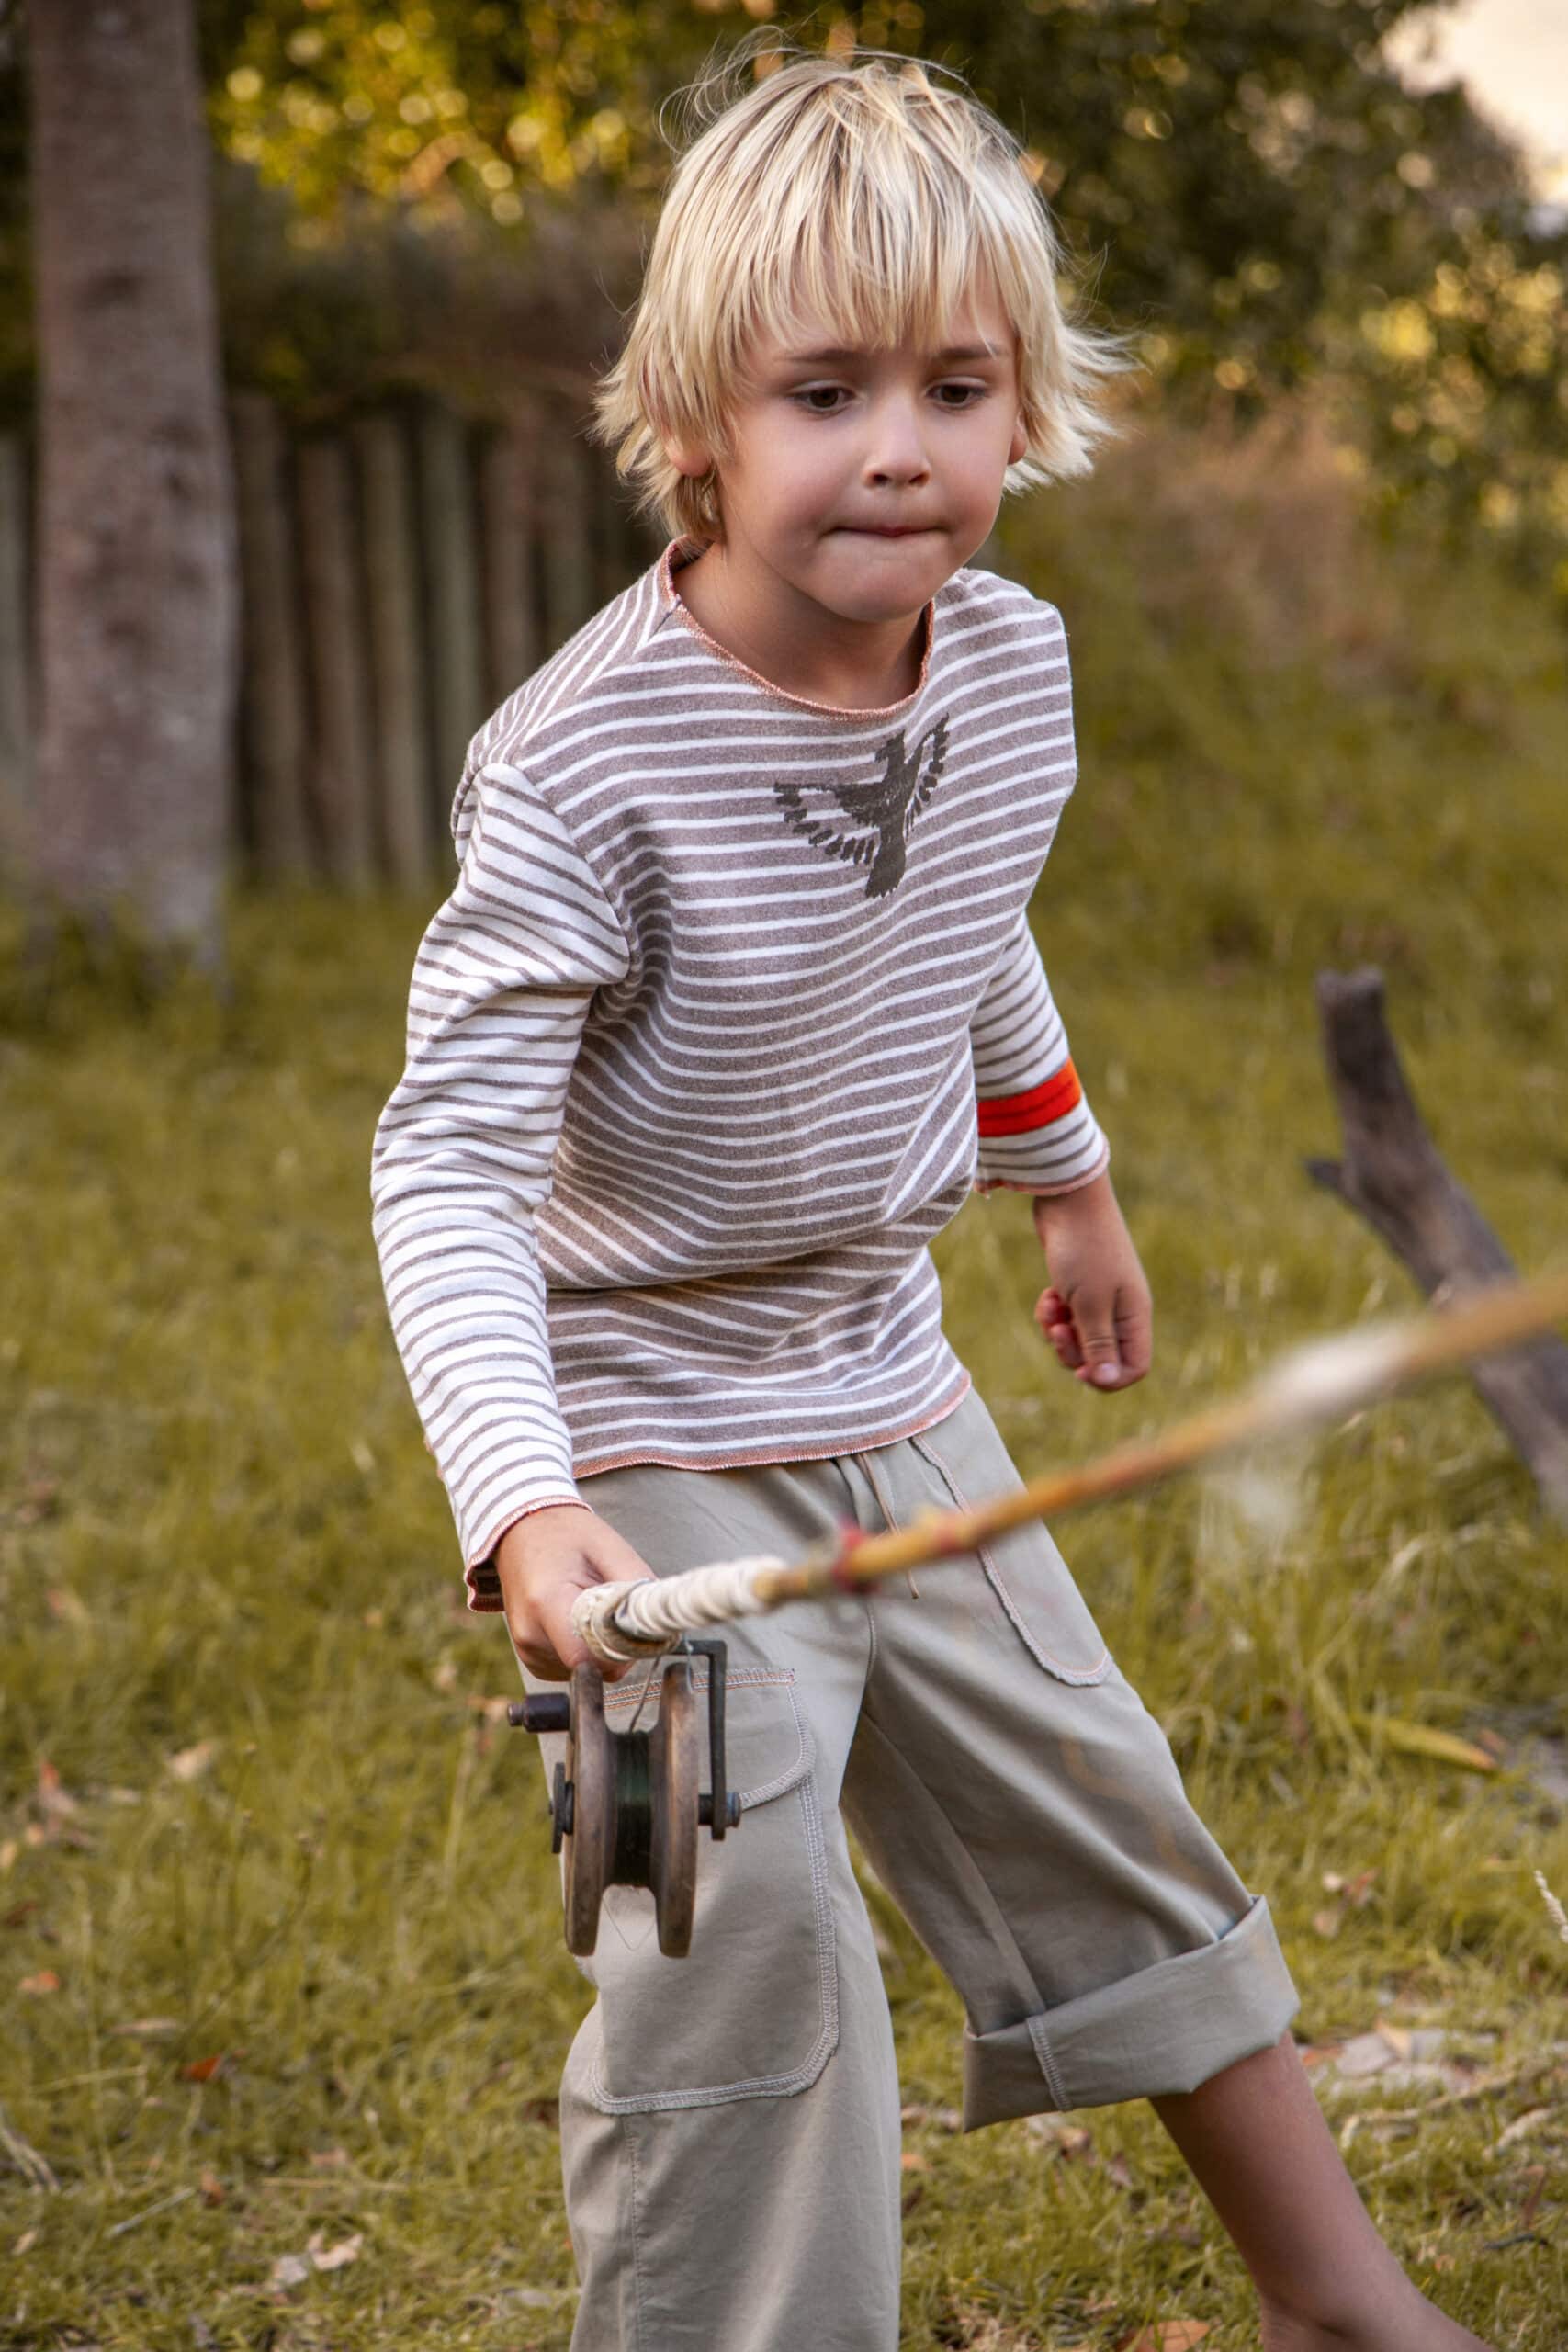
(883, 589)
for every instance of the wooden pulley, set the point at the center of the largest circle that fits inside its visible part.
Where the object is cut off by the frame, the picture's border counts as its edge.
(626, 1805)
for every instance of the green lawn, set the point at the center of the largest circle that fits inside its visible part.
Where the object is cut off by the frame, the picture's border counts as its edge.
(280, 1944)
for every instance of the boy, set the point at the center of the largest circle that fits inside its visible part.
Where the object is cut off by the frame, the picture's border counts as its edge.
(734, 998)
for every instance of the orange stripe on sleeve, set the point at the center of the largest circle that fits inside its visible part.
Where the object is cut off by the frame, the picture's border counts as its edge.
(1017, 1115)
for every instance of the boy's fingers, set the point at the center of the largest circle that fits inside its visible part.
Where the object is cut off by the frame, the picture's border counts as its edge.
(1095, 1320)
(1054, 1318)
(551, 1645)
(1134, 1335)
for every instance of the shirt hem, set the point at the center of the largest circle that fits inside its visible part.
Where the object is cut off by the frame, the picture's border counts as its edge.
(484, 1584)
(761, 1457)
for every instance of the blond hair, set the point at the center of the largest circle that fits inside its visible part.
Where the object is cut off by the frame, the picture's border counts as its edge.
(863, 191)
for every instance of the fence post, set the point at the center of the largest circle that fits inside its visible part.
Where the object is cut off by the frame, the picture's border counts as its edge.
(404, 793)
(272, 683)
(565, 497)
(512, 631)
(341, 768)
(15, 662)
(446, 488)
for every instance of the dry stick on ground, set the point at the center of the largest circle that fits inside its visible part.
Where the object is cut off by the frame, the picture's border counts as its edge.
(1394, 1175)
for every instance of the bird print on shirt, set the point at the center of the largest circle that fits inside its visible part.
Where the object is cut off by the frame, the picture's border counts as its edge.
(882, 808)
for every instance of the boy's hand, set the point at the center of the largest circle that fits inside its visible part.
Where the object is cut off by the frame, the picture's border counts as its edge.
(543, 1562)
(1098, 1313)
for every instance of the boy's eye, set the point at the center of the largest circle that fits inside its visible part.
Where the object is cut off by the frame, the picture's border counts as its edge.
(826, 400)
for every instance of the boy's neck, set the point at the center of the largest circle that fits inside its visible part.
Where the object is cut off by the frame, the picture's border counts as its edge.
(796, 644)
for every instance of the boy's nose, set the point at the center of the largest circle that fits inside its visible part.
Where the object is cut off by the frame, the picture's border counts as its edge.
(895, 450)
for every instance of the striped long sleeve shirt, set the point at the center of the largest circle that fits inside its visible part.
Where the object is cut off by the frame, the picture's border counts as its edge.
(734, 1001)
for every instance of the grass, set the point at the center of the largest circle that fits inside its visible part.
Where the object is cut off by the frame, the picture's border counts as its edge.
(280, 1881)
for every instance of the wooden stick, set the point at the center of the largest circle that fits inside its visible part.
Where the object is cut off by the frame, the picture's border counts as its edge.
(1318, 1384)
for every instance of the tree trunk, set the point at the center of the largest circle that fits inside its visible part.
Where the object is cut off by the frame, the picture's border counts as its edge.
(136, 541)
(1395, 1176)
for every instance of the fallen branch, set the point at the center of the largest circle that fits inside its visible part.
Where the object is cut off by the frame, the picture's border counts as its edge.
(1393, 1174)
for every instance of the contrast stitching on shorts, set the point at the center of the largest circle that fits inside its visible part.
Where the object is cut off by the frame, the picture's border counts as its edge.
(798, 2078)
(636, 2233)
(801, 1769)
(1076, 1676)
(1040, 2041)
(750, 1679)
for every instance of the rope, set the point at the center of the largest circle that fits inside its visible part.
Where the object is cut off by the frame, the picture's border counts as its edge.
(623, 1623)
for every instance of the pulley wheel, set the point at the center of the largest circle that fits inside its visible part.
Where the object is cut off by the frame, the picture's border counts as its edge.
(675, 1750)
(587, 1849)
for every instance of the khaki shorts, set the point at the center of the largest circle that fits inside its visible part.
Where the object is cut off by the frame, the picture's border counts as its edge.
(1022, 1810)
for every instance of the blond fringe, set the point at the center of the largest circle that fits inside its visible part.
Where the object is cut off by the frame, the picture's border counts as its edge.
(863, 190)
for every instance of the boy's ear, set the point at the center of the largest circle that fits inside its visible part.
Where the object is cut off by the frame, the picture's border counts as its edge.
(689, 458)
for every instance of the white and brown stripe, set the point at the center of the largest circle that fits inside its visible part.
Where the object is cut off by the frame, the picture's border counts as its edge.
(696, 1046)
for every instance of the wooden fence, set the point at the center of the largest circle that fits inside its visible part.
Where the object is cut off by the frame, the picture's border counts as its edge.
(398, 579)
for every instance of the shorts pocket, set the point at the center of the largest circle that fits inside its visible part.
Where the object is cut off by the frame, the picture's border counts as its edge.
(1035, 1587)
(752, 2011)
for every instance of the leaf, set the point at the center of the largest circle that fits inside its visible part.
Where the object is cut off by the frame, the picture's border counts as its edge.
(9, 1852)
(1522, 2125)
(55, 1801)
(212, 2189)
(147, 2027)
(912, 2161)
(202, 2070)
(25, 2243)
(190, 1763)
(291, 2270)
(1422, 1739)
(339, 2256)
(46, 1981)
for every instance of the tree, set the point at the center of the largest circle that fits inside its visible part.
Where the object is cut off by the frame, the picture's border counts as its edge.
(136, 541)
(1249, 184)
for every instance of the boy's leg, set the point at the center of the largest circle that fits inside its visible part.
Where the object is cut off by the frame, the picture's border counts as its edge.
(729, 2121)
(1025, 1813)
(1254, 2137)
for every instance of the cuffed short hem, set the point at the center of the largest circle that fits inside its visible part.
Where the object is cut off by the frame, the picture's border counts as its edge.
(1165, 2029)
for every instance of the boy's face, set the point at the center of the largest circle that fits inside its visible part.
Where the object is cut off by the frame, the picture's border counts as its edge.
(863, 478)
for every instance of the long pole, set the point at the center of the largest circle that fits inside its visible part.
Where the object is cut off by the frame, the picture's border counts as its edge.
(1314, 1386)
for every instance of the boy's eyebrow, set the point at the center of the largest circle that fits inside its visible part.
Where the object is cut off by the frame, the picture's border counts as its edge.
(953, 355)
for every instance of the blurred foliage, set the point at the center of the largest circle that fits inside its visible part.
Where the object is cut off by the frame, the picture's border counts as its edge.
(1249, 186)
